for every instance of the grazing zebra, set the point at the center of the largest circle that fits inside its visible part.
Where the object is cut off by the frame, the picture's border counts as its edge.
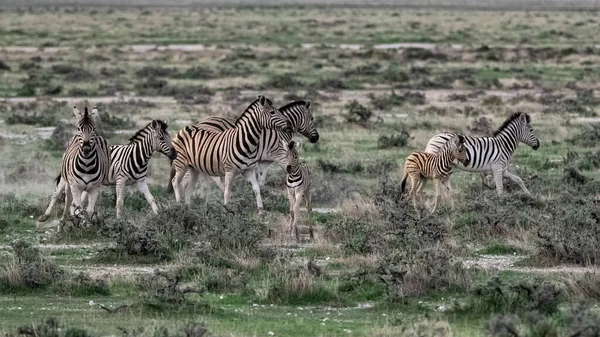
(84, 165)
(298, 180)
(129, 163)
(493, 154)
(270, 148)
(420, 166)
(225, 153)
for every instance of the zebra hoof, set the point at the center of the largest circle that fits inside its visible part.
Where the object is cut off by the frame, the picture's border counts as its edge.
(43, 218)
(260, 211)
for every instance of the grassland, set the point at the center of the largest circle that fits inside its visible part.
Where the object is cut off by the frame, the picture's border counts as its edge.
(491, 265)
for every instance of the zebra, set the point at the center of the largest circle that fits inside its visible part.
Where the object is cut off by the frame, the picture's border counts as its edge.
(225, 153)
(420, 166)
(298, 181)
(270, 148)
(493, 154)
(84, 165)
(129, 163)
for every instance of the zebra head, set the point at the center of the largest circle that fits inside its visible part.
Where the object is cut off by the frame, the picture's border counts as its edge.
(526, 134)
(292, 155)
(305, 122)
(86, 128)
(162, 139)
(518, 127)
(272, 118)
(458, 149)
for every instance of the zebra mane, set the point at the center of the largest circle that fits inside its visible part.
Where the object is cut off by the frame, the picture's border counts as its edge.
(86, 119)
(162, 124)
(292, 105)
(511, 119)
(252, 105)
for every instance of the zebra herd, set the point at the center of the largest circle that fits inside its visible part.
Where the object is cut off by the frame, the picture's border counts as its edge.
(223, 148)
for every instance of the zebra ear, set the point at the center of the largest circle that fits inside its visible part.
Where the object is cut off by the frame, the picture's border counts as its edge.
(76, 112)
(307, 105)
(262, 99)
(94, 112)
(461, 139)
(292, 145)
(298, 145)
(167, 122)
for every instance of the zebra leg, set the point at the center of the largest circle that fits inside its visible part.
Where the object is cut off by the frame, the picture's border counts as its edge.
(299, 197)
(142, 186)
(517, 180)
(176, 182)
(84, 198)
(250, 175)
(449, 193)
(219, 182)
(498, 179)
(414, 187)
(228, 180)
(261, 172)
(292, 199)
(120, 188)
(438, 191)
(76, 204)
(68, 200)
(57, 191)
(189, 189)
(92, 197)
(309, 209)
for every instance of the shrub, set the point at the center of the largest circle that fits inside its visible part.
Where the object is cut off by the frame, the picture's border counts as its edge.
(395, 140)
(518, 296)
(4, 66)
(573, 235)
(29, 268)
(162, 290)
(429, 329)
(357, 114)
(586, 322)
(153, 72)
(482, 126)
(284, 81)
(61, 135)
(198, 73)
(588, 136)
(71, 73)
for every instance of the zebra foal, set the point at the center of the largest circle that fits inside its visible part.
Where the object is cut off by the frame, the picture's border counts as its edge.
(84, 166)
(298, 181)
(493, 154)
(227, 153)
(420, 166)
(129, 164)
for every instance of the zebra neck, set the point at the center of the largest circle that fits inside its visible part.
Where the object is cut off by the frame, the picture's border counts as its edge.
(508, 139)
(250, 129)
(293, 118)
(144, 146)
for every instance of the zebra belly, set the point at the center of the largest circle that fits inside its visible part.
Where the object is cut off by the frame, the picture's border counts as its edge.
(485, 168)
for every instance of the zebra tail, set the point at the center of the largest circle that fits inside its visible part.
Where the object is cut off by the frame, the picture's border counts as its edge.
(170, 184)
(403, 183)
(57, 180)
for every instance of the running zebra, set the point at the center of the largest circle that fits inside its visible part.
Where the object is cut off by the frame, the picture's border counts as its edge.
(493, 154)
(298, 180)
(129, 163)
(420, 166)
(84, 165)
(270, 148)
(225, 153)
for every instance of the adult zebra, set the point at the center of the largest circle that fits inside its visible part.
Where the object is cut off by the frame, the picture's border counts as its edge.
(129, 164)
(225, 153)
(271, 148)
(493, 154)
(84, 165)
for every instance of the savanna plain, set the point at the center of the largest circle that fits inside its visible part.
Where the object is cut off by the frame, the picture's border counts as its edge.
(381, 81)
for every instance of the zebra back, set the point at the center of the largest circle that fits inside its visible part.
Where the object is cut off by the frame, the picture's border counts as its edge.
(483, 151)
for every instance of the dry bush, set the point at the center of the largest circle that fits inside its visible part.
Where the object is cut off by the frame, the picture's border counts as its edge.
(429, 329)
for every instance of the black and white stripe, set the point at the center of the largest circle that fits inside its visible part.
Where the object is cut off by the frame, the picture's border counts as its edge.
(271, 149)
(225, 153)
(421, 166)
(298, 181)
(493, 154)
(84, 166)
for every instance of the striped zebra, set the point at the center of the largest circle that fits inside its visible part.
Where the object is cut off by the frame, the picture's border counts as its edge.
(298, 181)
(225, 153)
(84, 165)
(271, 148)
(420, 166)
(129, 163)
(493, 154)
